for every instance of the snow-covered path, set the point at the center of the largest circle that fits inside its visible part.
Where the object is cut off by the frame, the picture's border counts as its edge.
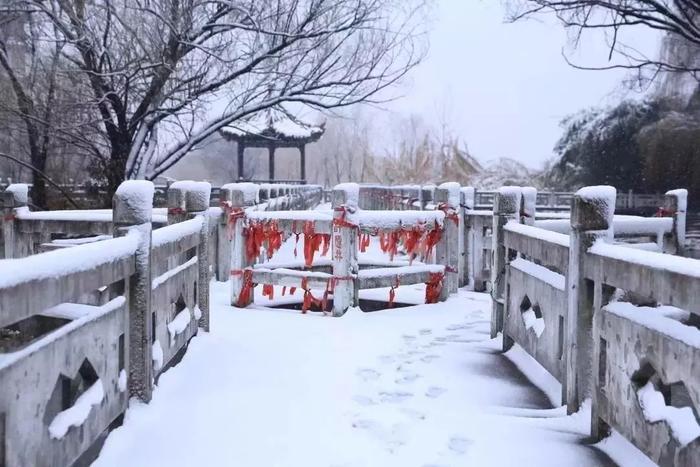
(419, 386)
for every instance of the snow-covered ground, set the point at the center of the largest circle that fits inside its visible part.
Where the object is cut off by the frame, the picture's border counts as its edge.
(416, 386)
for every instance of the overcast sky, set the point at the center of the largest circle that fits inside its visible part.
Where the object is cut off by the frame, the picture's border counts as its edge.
(505, 87)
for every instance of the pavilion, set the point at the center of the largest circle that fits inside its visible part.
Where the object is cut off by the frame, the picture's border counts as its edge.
(272, 129)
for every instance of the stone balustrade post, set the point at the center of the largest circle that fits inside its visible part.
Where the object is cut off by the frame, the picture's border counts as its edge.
(14, 198)
(344, 252)
(592, 212)
(466, 237)
(236, 242)
(506, 207)
(676, 206)
(197, 204)
(528, 205)
(447, 249)
(132, 207)
(177, 199)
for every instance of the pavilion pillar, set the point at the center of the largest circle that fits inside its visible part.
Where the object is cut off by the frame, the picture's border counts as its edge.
(271, 162)
(302, 161)
(241, 149)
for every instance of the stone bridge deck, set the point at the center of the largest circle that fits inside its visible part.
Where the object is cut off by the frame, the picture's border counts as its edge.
(420, 386)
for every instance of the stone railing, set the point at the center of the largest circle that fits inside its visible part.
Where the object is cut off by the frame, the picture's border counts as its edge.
(86, 328)
(94, 322)
(25, 232)
(574, 303)
(344, 274)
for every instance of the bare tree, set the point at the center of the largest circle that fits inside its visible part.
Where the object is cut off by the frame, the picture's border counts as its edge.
(164, 75)
(679, 20)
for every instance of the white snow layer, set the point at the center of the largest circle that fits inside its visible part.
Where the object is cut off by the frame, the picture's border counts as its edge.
(20, 192)
(686, 266)
(179, 324)
(405, 387)
(390, 220)
(453, 193)
(66, 261)
(250, 191)
(552, 278)
(604, 194)
(138, 196)
(157, 355)
(657, 319)
(76, 414)
(352, 193)
(682, 195)
(684, 426)
(291, 215)
(539, 233)
(121, 383)
(81, 314)
(276, 121)
(469, 194)
(174, 232)
(529, 198)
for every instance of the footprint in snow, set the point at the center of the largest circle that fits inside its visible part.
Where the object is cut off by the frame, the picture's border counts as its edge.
(447, 338)
(459, 445)
(395, 397)
(457, 327)
(408, 337)
(413, 414)
(407, 379)
(368, 374)
(365, 424)
(429, 358)
(425, 332)
(435, 391)
(387, 359)
(364, 400)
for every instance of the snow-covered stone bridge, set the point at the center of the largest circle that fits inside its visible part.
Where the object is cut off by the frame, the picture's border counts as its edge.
(122, 351)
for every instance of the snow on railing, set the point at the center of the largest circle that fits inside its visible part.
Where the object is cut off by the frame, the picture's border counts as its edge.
(344, 232)
(89, 314)
(553, 296)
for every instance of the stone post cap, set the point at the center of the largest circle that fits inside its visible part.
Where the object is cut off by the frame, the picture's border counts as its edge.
(528, 201)
(507, 200)
(468, 197)
(19, 193)
(177, 194)
(133, 202)
(346, 193)
(197, 197)
(676, 200)
(593, 208)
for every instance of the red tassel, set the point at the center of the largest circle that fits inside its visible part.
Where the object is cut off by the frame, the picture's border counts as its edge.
(433, 287)
(268, 291)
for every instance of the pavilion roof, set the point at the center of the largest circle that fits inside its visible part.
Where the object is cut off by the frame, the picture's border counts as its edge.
(274, 125)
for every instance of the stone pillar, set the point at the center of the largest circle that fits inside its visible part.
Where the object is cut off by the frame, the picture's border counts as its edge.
(447, 249)
(302, 161)
(426, 196)
(528, 205)
(239, 261)
(343, 253)
(240, 166)
(467, 240)
(506, 207)
(176, 199)
(592, 213)
(271, 162)
(197, 205)
(676, 205)
(14, 198)
(131, 210)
